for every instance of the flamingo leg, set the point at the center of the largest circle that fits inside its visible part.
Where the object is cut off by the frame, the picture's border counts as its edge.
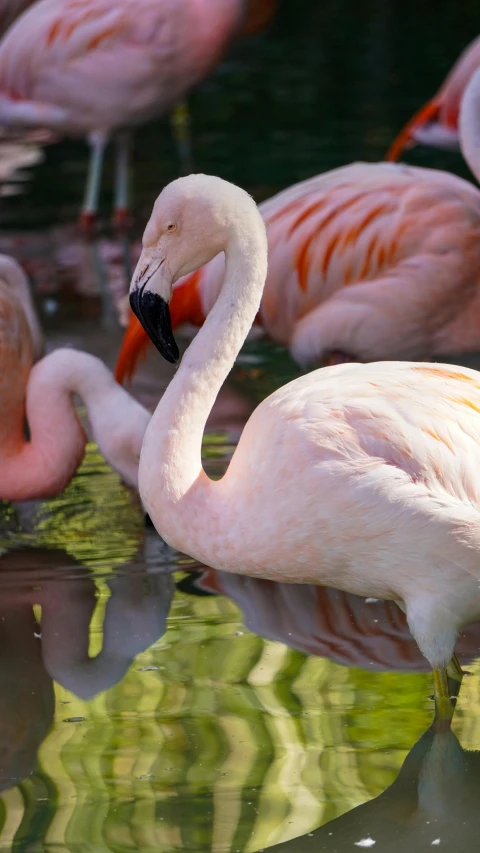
(180, 120)
(122, 194)
(97, 142)
(454, 677)
(122, 197)
(444, 706)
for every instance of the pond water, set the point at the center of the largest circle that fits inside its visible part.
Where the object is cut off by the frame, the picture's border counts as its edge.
(151, 704)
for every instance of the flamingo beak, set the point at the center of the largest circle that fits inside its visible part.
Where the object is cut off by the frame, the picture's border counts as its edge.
(152, 309)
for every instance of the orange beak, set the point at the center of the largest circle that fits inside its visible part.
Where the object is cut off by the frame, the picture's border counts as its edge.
(185, 307)
(405, 137)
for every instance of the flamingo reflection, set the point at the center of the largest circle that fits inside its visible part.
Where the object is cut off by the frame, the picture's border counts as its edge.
(326, 622)
(433, 804)
(32, 656)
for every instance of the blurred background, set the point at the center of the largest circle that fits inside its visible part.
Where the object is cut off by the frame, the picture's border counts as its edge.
(325, 84)
(205, 734)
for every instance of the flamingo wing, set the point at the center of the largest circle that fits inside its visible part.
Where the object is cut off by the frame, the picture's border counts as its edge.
(60, 50)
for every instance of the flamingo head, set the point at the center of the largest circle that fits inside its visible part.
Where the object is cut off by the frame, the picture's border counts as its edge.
(192, 221)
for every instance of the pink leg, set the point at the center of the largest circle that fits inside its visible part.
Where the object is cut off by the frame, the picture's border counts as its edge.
(97, 143)
(121, 180)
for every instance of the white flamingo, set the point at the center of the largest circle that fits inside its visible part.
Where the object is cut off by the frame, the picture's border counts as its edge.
(362, 477)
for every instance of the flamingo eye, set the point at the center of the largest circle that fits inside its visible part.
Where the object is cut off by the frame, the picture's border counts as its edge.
(171, 227)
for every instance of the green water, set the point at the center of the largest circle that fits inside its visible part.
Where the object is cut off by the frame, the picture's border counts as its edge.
(147, 704)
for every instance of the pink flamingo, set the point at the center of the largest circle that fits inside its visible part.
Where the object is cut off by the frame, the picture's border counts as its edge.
(367, 262)
(41, 395)
(96, 67)
(361, 477)
(436, 123)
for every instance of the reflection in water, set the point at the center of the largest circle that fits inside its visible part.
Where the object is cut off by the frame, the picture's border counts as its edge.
(32, 655)
(432, 803)
(327, 622)
(214, 739)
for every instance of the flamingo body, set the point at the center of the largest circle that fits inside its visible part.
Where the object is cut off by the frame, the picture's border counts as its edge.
(436, 123)
(375, 260)
(362, 477)
(94, 67)
(101, 65)
(387, 456)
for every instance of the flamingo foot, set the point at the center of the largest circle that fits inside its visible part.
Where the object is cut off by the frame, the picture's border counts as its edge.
(337, 357)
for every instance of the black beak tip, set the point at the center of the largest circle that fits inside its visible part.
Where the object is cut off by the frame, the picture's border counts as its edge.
(154, 315)
(171, 353)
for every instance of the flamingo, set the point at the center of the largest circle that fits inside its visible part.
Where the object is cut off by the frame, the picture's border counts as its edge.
(95, 68)
(436, 123)
(41, 394)
(358, 476)
(366, 262)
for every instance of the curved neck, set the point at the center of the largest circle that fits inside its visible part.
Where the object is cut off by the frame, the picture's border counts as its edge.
(469, 125)
(171, 475)
(44, 466)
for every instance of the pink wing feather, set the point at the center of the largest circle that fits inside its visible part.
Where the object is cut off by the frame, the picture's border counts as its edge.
(146, 55)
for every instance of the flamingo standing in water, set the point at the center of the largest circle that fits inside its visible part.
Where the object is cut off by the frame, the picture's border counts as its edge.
(367, 262)
(361, 477)
(41, 395)
(97, 67)
(436, 123)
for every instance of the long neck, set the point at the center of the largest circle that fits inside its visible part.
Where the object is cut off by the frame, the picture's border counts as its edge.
(44, 465)
(47, 462)
(469, 125)
(172, 481)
